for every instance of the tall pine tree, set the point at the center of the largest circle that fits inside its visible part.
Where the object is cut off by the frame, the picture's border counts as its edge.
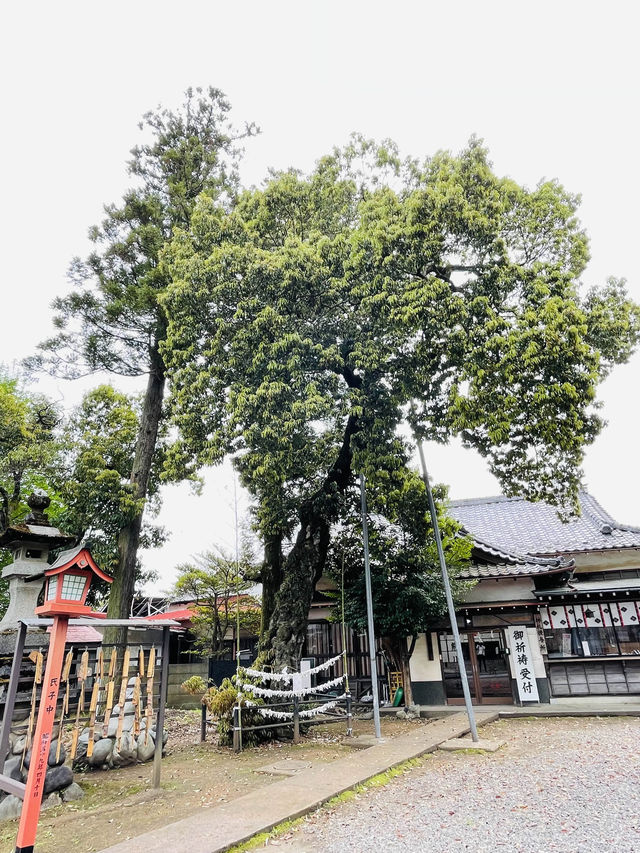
(113, 320)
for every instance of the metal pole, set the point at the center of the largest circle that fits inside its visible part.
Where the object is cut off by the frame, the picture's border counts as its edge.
(371, 633)
(447, 589)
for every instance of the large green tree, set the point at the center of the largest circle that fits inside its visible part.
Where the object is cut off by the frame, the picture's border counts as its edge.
(309, 322)
(113, 320)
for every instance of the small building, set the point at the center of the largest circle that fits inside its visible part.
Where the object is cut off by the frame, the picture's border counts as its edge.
(554, 612)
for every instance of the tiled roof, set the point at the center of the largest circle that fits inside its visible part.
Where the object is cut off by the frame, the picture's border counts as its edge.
(185, 614)
(78, 634)
(518, 526)
(510, 570)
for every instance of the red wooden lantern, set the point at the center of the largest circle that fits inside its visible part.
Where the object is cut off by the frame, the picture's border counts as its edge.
(68, 582)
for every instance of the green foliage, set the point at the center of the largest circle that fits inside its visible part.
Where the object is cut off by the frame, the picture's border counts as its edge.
(217, 584)
(98, 442)
(339, 294)
(194, 686)
(29, 450)
(111, 321)
(82, 462)
(221, 700)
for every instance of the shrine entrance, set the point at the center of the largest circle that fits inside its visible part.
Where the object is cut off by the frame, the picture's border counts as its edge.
(486, 665)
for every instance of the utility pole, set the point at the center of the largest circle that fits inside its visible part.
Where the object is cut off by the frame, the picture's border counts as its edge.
(447, 589)
(371, 633)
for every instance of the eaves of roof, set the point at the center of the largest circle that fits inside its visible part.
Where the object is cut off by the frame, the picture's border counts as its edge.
(513, 570)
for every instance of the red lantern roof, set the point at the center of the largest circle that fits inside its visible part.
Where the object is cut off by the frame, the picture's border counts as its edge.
(77, 558)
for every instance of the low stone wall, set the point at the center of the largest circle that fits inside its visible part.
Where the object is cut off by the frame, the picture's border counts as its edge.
(179, 672)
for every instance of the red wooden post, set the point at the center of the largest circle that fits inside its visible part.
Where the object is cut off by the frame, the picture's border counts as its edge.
(42, 739)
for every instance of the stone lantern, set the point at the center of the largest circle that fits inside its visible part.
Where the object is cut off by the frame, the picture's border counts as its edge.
(30, 541)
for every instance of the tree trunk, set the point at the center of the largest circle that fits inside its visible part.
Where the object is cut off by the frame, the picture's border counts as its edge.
(271, 577)
(302, 570)
(303, 567)
(398, 656)
(122, 588)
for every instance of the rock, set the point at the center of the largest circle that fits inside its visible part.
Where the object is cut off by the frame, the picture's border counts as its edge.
(127, 725)
(73, 792)
(366, 715)
(413, 709)
(101, 752)
(52, 755)
(56, 778)
(129, 708)
(84, 734)
(12, 768)
(80, 758)
(51, 761)
(145, 751)
(10, 807)
(51, 801)
(19, 745)
(126, 752)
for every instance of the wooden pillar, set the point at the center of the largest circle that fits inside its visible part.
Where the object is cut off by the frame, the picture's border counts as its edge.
(164, 682)
(42, 740)
(11, 693)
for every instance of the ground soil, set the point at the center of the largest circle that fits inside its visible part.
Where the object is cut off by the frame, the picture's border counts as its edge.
(120, 804)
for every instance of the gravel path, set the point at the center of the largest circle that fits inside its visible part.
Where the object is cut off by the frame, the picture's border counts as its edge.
(564, 785)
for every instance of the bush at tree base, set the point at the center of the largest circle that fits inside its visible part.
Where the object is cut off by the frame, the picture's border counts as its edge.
(221, 701)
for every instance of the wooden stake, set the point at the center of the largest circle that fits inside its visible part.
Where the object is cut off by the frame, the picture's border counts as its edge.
(93, 705)
(98, 685)
(123, 694)
(37, 658)
(149, 710)
(110, 689)
(66, 669)
(82, 676)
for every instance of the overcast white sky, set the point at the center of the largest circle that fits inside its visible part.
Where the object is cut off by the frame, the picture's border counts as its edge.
(551, 87)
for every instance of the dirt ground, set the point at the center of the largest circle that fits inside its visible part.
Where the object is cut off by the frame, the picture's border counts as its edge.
(120, 804)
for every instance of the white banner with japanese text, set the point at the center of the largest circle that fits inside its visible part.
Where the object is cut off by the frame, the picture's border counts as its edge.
(523, 664)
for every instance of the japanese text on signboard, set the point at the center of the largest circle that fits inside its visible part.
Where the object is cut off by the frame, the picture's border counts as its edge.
(523, 664)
